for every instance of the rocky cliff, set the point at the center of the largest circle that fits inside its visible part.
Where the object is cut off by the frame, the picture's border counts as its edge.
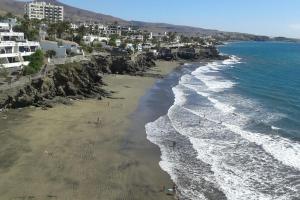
(191, 53)
(73, 80)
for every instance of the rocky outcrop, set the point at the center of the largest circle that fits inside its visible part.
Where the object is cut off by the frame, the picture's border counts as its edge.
(74, 80)
(187, 53)
(191, 53)
(123, 65)
(77, 80)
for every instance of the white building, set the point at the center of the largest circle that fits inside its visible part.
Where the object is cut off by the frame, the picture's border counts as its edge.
(114, 30)
(14, 49)
(137, 37)
(177, 39)
(157, 36)
(62, 48)
(130, 46)
(43, 10)
(72, 47)
(88, 39)
(148, 45)
(12, 22)
(4, 27)
(74, 26)
(60, 51)
(118, 42)
(139, 47)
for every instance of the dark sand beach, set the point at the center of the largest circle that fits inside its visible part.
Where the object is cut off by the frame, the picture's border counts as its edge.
(88, 150)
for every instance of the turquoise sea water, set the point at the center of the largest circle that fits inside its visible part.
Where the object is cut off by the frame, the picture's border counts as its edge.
(236, 125)
(270, 74)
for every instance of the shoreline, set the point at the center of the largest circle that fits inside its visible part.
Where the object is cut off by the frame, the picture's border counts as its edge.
(79, 151)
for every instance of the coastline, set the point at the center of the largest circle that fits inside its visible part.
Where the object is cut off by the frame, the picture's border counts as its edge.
(78, 151)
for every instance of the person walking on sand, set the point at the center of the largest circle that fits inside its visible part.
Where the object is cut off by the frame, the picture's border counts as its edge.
(174, 145)
(163, 188)
(98, 122)
(175, 191)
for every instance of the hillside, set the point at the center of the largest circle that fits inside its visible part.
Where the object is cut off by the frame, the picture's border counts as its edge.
(71, 13)
(76, 14)
(163, 27)
(14, 7)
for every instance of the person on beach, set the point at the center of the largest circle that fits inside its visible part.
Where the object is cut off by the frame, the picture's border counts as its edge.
(163, 188)
(98, 121)
(174, 145)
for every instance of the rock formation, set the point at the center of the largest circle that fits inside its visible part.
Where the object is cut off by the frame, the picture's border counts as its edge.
(73, 80)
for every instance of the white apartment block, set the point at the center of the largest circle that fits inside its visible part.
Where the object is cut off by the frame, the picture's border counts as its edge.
(74, 26)
(43, 10)
(14, 48)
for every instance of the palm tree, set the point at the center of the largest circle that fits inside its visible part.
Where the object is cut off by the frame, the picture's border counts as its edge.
(52, 31)
(91, 29)
(81, 31)
(96, 30)
(62, 27)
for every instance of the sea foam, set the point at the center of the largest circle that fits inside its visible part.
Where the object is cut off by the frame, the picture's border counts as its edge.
(244, 164)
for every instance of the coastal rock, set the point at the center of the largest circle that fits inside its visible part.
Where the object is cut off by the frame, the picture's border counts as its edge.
(191, 53)
(123, 65)
(76, 80)
(103, 63)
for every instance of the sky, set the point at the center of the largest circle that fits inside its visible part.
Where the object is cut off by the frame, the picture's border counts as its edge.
(266, 17)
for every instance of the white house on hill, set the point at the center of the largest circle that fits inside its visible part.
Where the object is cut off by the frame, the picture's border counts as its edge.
(14, 48)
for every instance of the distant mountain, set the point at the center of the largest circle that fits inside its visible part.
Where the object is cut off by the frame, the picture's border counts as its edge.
(194, 31)
(14, 7)
(76, 14)
(163, 27)
(284, 39)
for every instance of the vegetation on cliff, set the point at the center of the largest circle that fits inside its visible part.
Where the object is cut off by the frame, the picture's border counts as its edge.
(36, 62)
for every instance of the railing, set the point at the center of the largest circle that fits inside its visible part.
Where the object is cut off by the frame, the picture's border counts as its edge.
(61, 61)
(16, 64)
(7, 43)
(10, 34)
(19, 44)
(26, 53)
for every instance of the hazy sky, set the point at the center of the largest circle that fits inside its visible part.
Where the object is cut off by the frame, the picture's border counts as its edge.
(269, 17)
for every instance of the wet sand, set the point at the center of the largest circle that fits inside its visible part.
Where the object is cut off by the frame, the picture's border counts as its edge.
(83, 151)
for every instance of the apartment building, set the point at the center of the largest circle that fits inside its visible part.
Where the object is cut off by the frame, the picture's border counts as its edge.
(14, 48)
(43, 10)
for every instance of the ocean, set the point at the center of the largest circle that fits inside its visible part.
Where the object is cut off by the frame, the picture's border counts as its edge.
(233, 131)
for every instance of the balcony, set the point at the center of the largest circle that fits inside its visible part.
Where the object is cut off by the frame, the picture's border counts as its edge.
(7, 44)
(26, 53)
(16, 64)
(8, 55)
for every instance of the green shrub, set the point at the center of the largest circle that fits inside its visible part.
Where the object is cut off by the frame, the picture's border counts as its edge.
(50, 53)
(3, 72)
(112, 41)
(87, 48)
(98, 47)
(36, 62)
